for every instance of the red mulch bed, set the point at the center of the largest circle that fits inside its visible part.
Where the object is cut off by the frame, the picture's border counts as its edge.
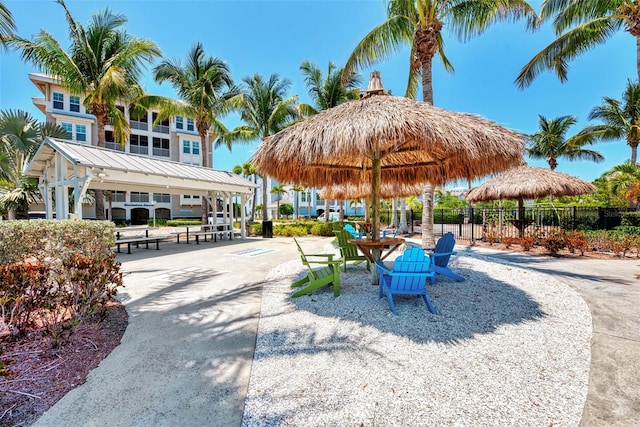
(39, 370)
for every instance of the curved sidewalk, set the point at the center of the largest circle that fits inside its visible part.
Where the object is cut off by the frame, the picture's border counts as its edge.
(186, 356)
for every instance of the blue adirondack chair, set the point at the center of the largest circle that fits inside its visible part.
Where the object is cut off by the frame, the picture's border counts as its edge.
(440, 256)
(408, 277)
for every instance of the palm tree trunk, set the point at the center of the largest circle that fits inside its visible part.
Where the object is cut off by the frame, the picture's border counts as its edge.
(327, 206)
(309, 204)
(634, 153)
(205, 164)
(255, 198)
(102, 119)
(403, 216)
(428, 239)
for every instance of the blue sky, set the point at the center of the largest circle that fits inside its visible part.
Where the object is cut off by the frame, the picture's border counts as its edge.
(269, 36)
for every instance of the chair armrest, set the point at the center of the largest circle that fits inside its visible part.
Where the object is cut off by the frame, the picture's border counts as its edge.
(412, 273)
(329, 262)
(320, 255)
(383, 268)
(443, 254)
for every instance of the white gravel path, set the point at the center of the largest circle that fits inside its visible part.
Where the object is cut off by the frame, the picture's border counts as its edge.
(509, 347)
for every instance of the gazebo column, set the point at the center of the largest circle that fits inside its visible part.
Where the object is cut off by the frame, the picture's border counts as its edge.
(62, 201)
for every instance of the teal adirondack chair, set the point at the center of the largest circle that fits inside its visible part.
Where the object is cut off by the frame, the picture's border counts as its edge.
(440, 256)
(408, 277)
(349, 251)
(318, 277)
(349, 228)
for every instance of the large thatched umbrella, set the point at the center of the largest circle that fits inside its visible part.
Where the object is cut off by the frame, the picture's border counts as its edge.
(387, 139)
(527, 182)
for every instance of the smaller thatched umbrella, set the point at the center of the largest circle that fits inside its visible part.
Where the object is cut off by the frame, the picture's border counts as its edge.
(526, 182)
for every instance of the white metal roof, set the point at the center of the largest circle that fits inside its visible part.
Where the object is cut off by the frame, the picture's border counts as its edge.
(116, 170)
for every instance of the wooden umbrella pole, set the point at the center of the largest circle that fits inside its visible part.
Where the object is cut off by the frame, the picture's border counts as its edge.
(375, 197)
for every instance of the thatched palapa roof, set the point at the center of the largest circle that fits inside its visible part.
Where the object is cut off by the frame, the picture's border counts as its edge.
(526, 182)
(363, 191)
(415, 142)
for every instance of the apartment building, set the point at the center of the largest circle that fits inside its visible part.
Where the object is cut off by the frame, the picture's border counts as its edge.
(176, 139)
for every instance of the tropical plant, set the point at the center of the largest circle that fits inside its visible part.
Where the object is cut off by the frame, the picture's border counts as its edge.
(418, 24)
(20, 138)
(621, 119)
(278, 190)
(206, 89)
(446, 200)
(103, 65)
(580, 26)
(247, 170)
(624, 180)
(7, 25)
(265, 109)
(296, 190)
(550, 142)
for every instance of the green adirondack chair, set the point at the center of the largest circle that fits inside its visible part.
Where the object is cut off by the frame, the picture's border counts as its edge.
(349, 251)
(319, 276)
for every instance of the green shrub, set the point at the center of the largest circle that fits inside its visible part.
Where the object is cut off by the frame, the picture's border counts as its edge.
(289, 230)
(159, 222)
(631, 219)
(183, 222)
(322, 229)
(256, 228)
(55, 272)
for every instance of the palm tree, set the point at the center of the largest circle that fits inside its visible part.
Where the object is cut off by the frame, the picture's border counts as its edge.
(296, 191)
(20, 138)
(7, 25)
(624, 180)
(278, 190)
(580, 26)
(328, 91)
(550, 142)
(205, 87)
(621, 119)
(418, 24)
(103, 65)
(247, 170)
(265, 110)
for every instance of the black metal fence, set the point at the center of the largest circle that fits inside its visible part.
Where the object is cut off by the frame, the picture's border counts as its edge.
(475, 223)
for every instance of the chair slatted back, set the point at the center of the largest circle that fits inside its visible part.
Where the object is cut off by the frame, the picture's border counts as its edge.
(444, 245)
(411, 261)
(347, 250)
(303, 257)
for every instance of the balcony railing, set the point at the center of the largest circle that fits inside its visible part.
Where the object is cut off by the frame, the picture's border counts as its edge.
(112, 145)
(161, 128)
(136, 149)
(161, 152)
(138, 125)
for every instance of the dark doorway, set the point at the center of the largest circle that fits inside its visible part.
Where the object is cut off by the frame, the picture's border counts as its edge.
(139, 216)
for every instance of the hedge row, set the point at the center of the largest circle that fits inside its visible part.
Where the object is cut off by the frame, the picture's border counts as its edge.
(54, 273)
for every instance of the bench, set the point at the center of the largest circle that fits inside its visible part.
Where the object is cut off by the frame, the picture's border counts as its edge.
(204, 230)
(137, 240)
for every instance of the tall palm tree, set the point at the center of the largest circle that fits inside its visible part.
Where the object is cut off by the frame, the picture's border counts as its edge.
(580, 26)
(205, 87)
(278, 190)
(20, 138)
(247, 170)
(551, 143)
(328, 91)
(103, 65)
(621, 119)
(7, 25)
(296, 191)
(418, 24)
(265, 109)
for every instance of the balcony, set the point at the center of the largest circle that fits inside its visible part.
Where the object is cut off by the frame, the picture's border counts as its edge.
(134, 124)
(112, 145)
(161, 152)
(161, 129)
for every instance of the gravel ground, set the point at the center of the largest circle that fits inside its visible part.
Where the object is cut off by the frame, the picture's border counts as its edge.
(508, 347)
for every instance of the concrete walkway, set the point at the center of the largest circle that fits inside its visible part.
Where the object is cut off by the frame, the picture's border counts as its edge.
(185, 358)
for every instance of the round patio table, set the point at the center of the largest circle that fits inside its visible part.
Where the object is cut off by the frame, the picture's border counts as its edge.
(372, 249)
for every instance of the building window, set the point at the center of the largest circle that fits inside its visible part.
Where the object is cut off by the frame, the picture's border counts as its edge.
(190, 152)
(189, 200)
(81, 133)
(110, 141)
(190, 124)
(162, 127)
(179, 123)
(161, 198)
(69, 128)
(137, 197)
(161, 147)
(74, 103)
(119, 196)
(139, 144)
(58, 101)
(140, 121)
